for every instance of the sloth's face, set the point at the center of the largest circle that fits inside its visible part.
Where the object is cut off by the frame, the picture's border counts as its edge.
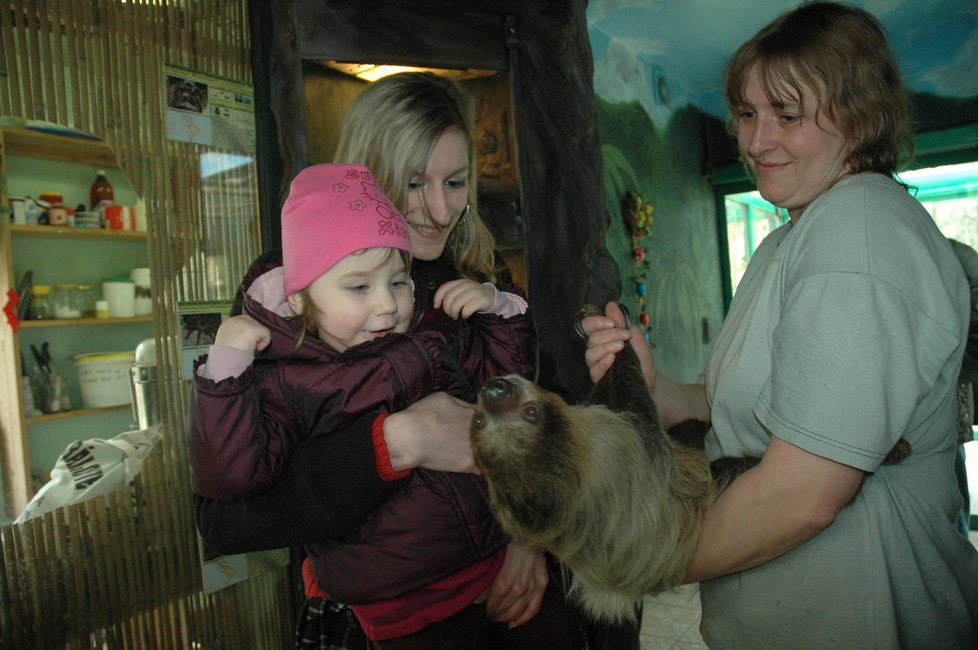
(523, 441)
(504, 399)
(517, 423)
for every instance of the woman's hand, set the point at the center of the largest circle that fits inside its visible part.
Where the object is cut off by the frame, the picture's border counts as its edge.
(517, 592)
(432, 433)
(464, 298)
(606, 336)
(243, 333)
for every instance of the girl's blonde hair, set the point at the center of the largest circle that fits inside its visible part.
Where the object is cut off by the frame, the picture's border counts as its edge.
(307, 320)
(842, 54)
(392, 127)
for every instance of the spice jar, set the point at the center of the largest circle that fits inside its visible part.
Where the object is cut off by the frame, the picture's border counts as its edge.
(64, 301)
(86, 300)
(41, 302)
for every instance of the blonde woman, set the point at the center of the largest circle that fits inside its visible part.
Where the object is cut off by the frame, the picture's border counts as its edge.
(414, 131)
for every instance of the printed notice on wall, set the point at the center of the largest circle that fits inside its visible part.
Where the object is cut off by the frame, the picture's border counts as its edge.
(199, 323)
(208, 110)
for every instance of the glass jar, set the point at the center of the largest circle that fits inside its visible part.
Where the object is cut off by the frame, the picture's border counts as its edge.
(41, 302)
(64, 301)
(86, 300)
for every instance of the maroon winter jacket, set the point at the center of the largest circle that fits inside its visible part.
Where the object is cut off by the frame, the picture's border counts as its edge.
(242, 430)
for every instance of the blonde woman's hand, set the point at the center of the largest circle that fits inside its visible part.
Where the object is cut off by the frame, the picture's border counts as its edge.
(517, 592)
(464, 298)
(432, 433)
(244, 333)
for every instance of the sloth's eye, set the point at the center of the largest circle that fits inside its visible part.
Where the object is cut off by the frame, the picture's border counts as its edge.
(531, 412)
(478, 421)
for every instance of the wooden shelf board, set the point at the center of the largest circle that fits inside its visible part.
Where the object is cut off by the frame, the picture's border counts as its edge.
(51, 146)
(80, 322)
(75, 233)
(74, 413)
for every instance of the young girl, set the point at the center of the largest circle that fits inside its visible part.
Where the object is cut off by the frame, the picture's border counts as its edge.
(324, 340)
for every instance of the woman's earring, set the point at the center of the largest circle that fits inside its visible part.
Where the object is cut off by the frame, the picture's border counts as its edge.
(464, 216)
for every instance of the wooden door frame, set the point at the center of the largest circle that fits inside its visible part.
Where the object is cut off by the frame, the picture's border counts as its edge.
(545, 48)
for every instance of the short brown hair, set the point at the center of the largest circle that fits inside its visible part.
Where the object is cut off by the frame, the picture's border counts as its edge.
(842, 53)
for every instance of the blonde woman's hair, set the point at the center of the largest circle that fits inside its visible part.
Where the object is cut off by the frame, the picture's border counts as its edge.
(842, 54)
(392, 127)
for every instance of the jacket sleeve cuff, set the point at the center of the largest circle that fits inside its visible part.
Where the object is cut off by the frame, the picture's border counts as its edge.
(506, 304)
(223, 362)
(382, 455)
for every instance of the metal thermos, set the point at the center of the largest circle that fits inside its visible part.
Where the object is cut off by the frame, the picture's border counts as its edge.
(143, 390)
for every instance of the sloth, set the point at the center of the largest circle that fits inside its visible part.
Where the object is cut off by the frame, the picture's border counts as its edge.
(601, 486)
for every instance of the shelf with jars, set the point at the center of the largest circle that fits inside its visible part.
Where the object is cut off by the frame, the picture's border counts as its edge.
(81, 322)
(75, 261)
(74, 413)
(68, 232)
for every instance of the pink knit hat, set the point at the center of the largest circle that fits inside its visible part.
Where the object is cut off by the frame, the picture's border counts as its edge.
(333, 210)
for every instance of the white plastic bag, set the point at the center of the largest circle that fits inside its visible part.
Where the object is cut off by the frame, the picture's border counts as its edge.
(89, 468)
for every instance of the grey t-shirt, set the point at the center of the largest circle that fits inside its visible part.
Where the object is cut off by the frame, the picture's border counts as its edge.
(846, 333)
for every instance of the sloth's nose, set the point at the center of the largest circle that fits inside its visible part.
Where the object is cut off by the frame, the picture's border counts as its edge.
(498, 393)
(497, 388)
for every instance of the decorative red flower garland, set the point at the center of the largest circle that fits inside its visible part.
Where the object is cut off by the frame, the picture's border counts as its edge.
(638, 217)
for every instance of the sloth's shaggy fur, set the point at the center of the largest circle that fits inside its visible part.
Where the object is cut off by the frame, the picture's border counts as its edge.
(601, 486)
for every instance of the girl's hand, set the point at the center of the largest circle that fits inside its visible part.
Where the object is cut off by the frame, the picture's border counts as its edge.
(464, 298)
(243, 333)
(517, 592)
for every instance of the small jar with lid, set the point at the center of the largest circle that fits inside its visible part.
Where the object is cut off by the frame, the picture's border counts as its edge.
(86, 300)
(41, 302)
(64, 301)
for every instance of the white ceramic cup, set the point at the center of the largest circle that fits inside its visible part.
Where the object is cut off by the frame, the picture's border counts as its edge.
(120, 293)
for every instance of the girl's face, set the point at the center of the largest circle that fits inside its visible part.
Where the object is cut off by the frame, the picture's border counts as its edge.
(364, 296)
(437, 195)
(794, 159)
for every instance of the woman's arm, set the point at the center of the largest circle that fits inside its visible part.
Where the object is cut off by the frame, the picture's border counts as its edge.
(770, 509)
(333, 482)
(787, 498)
(326, 490)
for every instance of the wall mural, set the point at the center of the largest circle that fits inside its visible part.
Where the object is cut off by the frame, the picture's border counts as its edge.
(666, 55)
(682, 283)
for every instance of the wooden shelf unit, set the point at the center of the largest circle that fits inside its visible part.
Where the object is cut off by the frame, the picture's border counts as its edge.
(96, 154)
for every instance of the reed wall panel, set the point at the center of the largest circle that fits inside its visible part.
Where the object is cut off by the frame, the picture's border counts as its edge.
(123, 571)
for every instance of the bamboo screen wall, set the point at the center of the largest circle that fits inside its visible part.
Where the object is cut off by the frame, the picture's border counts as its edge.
(124, 571)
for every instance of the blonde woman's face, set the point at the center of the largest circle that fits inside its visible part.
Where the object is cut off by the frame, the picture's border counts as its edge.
(437, 196)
